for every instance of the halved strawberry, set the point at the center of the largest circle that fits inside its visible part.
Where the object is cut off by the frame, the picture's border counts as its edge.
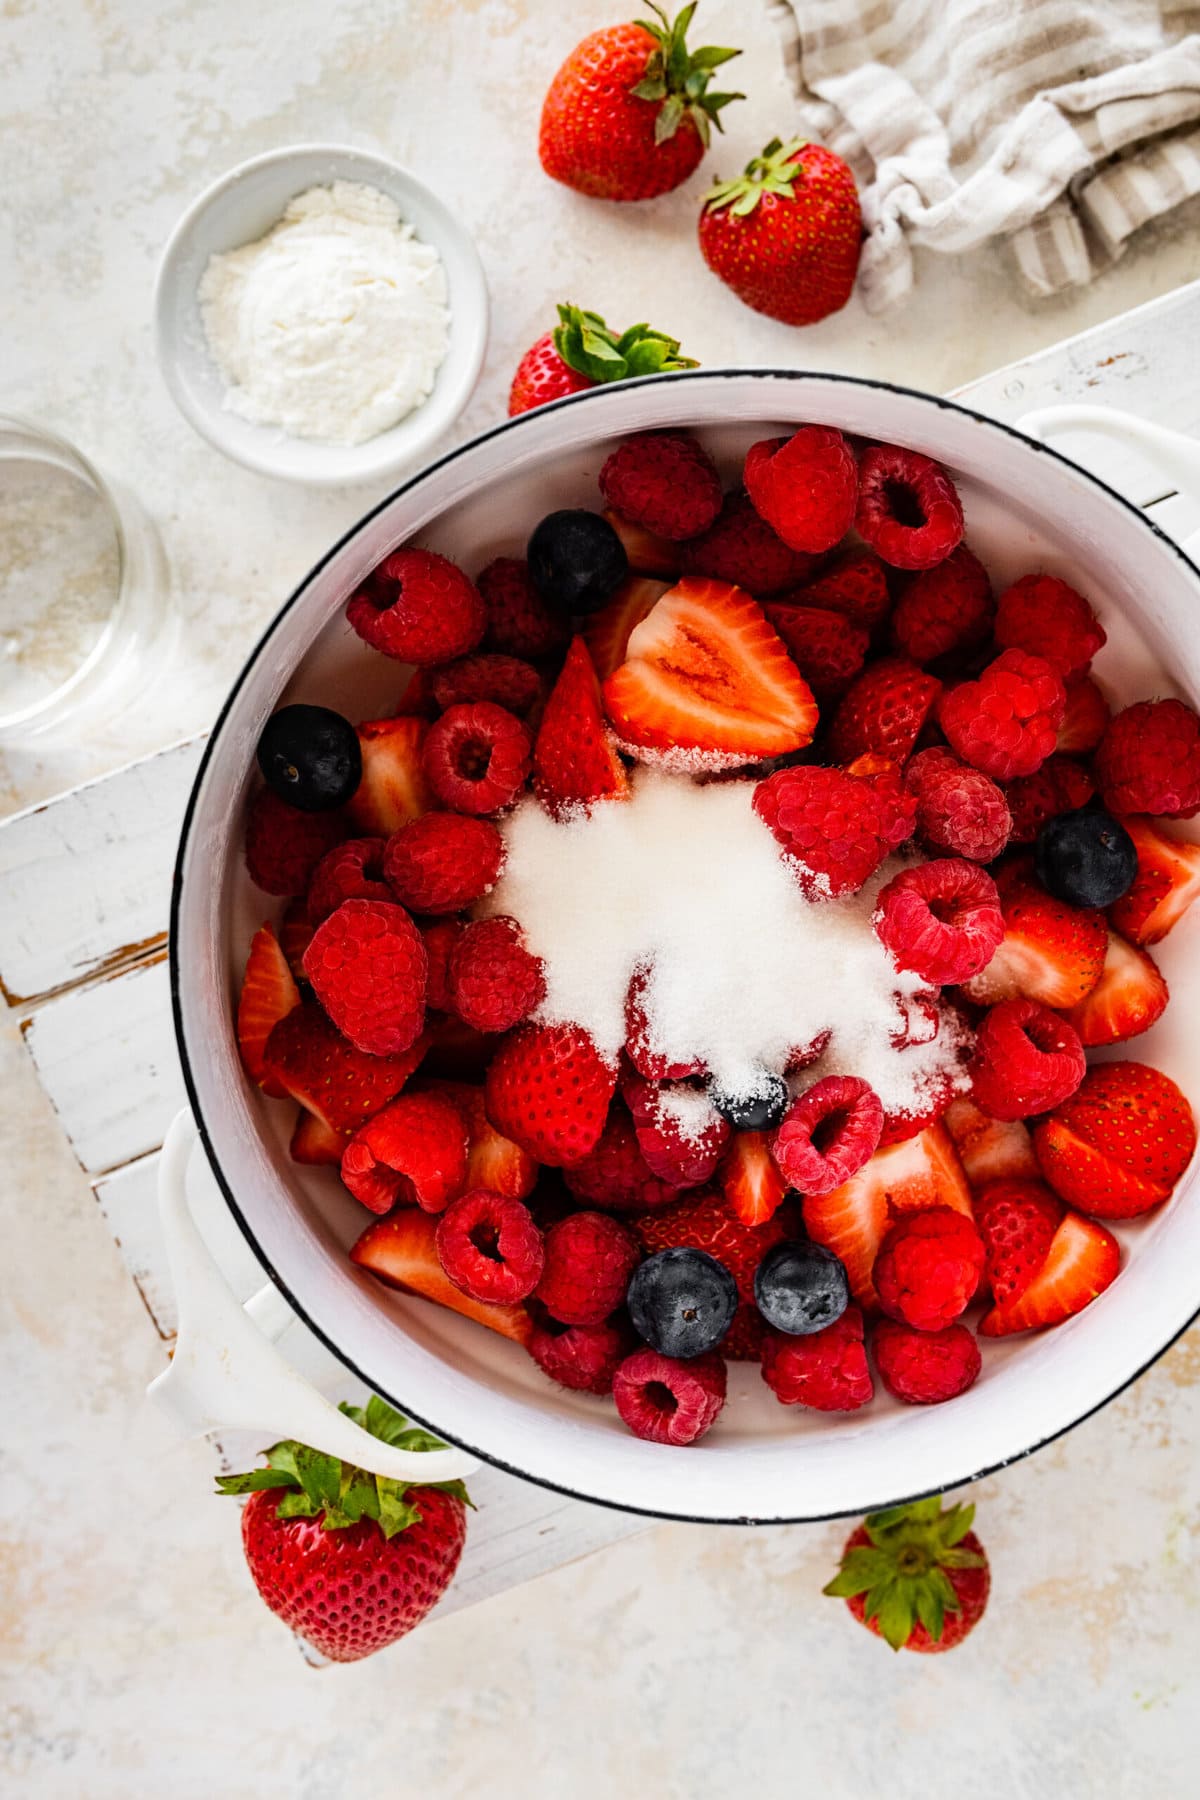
(749, 1178)
(574, 761)
(315, 1142)
(268, 994)
(1050, 951)
(493, 1161)
(548, 1089)
(1166, 883)
(856, 586)
(826, 647)
(852, 1221)
(885, 711)
(990, 1149)
(1117, 1147)
(1017, 1220)
(393, 788)
(706, 673)
(1082, 1261)
(607, 632)
(342, 1086)
(402, 1251)
(1129, 996)
(648, 553)
(1084, 721)
(295, 935)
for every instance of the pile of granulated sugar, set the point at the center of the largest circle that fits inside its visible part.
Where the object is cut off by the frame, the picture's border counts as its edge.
(686, 881)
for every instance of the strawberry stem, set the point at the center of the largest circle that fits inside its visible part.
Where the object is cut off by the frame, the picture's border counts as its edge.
(678, 78)
(902, 1570)
(773, 172)
(587, 345)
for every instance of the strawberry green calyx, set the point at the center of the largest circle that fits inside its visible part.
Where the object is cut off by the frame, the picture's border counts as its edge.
(312, 1483)
(902, 1570)
(774, 172)
(587, 345)
(679, 77)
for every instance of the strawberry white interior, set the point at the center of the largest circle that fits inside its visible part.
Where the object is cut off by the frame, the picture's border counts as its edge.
(1024, 509)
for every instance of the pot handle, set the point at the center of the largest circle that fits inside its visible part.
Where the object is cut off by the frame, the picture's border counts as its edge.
(1175, 455)
(226, 1373)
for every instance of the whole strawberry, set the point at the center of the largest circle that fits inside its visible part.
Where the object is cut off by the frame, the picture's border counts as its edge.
(786, 234)
(916, 1575)
(628, 115)
(349, 1560)
(583, 351)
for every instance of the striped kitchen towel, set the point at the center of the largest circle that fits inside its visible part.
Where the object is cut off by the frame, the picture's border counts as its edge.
(1061, 125)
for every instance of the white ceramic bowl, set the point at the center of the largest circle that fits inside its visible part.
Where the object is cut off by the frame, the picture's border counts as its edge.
(1025, 507)
(240, 207)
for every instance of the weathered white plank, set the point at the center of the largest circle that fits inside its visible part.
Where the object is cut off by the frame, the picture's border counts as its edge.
(85, 878)
(106, 1056)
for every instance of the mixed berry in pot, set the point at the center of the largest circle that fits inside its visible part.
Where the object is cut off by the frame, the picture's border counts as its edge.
(704, 960)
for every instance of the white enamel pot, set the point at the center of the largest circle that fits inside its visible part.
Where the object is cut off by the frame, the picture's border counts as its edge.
(1026, 508)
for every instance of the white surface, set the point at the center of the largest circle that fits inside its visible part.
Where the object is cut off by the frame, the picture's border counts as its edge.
(241, 207)
(688, 1660)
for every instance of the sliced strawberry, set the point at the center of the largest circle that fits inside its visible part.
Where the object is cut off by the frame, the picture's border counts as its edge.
(856, 587)
(1166, 883)
(268, 994)
(493, 1161)
(749, 1178)
(1129, 996)
(990, 1149)
(402, 1251)
(1082, 1261)
(342, 1086)
(885, 711)
(574, 761)
(548, 1089)
(315, 1142)
(648, 553)
(607, 632)
(1117, 1147)
(295, 935)
(919, 1172)
(706, 672)
(1050, 951)
(1084, 721)
(1017, 1220)
(393, 788)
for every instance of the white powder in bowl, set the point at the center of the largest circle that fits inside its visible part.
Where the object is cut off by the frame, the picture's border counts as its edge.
(332, 326)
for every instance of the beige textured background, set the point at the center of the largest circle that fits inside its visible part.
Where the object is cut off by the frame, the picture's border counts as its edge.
(688, 1661)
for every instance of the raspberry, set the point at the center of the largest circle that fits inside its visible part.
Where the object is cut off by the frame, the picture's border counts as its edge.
(548, 1089)
(582, 1357)
(350, 871)
(504, 680)
(519, 621)
(838, 827)
(683, 1158)
(942, 920)
(419, 608)
(1006, 722)
(908, 509)
(494, 981)
(615, 1175)
(637, 1038)
(925, 1367)
(589, 1259)
(1027, 1060)
(1149, 760)
(805, 486)
(741, 547)
(440, 939)
(855, 586)
(368, 969)
(414, 1150)
(958, 809)
(826, 647)
(665, 481)
(828, 1134)
(284, 845)
(476, 758)
(826, 1371)
(1046, 617)
(442, 861)
(1086, 718)
(1059, 786)
(490, 1247)
(944, 609)
(928, 1267)
(669, 1402)
(885, 711)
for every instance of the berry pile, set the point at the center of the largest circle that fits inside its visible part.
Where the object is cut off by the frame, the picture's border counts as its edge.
(931, 765)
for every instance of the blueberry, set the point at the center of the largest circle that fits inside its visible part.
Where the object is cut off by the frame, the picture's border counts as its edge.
(577, 561)
(801, 1288)
(1085, 857)
(760, 1110)
(682, 1302)
(310, 757)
